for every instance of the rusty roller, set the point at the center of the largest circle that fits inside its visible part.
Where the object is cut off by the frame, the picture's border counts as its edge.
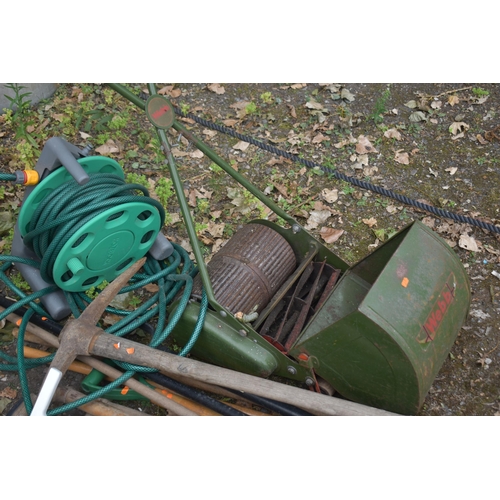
(249, 269)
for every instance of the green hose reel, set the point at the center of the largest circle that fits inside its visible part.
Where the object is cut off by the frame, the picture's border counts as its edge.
(106, 245)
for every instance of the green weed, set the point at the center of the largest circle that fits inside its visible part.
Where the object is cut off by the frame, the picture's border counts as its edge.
(133, 178)
(380, 107)
(384, 234)
(119, 121)
(266, 98)
(20, 117)
(203, 205)
(19, 281)
(215, 168)
(164, 190)
(347, 188)
(480, 92)
(94, 291)
(185, 108)
(251, 108)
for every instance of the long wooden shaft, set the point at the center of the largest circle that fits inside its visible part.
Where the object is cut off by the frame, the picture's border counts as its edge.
(98, 407)
(105, 345)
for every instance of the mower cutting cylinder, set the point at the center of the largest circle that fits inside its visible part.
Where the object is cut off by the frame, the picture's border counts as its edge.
(249, 269)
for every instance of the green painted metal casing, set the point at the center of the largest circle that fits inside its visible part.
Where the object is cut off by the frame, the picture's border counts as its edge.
(386, 329)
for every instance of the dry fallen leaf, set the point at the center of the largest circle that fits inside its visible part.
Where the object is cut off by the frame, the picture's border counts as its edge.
(393, 133)
(191, 197)
(451, 170)
(166, 90)
(317, 217)
(429, 221)
(330, 234)
(402, 157)
(312, 104)
(370, 171)
(292, 111)
(239, 104)
(107, 148)
(370, 222)
(230, 122)
(218, 245)
(330, 195)
(196, 154)
(241, 145)
(364, 146)
(345, 94)
(317, 139)
(453, 99)
(169, 90)
(215, 230)
(177, 153)
(185, 243)
(282, 189)
(458, 127)
(418, 116)
(8, 393)
(345, 142)
(217, 88)
(209, 133)
(174, 218)
(468, 242)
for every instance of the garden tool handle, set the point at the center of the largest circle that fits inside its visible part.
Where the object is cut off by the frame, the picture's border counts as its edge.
(46, 393)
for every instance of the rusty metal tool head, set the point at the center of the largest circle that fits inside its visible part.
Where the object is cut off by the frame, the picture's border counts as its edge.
(77, 337)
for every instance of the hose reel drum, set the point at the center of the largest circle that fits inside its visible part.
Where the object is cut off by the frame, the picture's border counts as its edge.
(105, 245)
(102, 244)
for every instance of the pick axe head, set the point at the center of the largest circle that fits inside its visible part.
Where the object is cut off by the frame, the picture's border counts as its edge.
(77, 336)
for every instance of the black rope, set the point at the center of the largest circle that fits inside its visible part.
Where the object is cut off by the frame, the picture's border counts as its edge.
(352, 180)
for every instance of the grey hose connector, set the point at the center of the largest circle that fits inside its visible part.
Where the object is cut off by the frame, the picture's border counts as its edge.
(19, 177)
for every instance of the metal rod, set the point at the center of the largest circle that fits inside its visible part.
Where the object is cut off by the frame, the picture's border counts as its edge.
(233, 173)
(179, 191)
(210, 153)
(125, 92)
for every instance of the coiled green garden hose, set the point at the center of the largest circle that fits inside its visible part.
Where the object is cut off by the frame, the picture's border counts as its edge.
(57, 217)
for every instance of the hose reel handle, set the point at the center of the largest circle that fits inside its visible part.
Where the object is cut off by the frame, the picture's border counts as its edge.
(58, 152)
